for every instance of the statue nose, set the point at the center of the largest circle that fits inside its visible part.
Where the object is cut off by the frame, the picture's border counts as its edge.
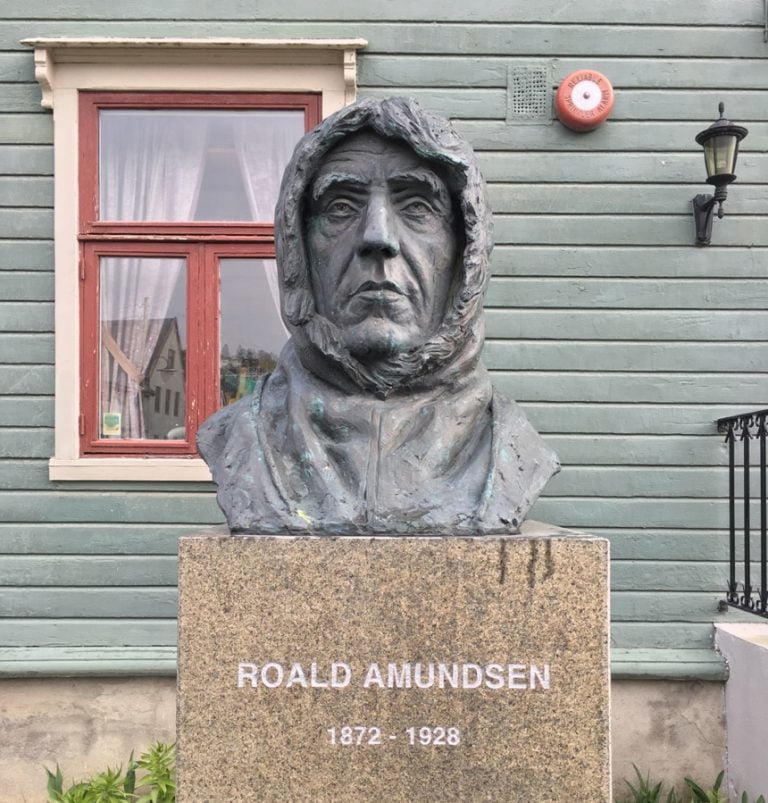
(378, 236)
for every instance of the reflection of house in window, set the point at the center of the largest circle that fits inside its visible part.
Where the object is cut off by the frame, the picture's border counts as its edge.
(156, 383)
(134, 392)
(166, 375)
(239, 373)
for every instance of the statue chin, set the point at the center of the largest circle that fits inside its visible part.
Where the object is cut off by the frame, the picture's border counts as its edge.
(377, 338)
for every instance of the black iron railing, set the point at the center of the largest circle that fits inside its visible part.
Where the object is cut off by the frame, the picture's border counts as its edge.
(750, 592)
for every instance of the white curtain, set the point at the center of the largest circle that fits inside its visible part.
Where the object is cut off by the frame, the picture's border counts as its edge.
(264, 146)
(150, 170)
(273, 281)
(264, 151)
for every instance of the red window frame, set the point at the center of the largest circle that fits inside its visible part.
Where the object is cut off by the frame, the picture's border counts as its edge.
(201, 243)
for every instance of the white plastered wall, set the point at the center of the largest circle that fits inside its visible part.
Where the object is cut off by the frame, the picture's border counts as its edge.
(65, 66)
(745, 649)
(667, 728)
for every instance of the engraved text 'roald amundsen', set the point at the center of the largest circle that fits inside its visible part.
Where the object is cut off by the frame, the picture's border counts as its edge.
(390, 675)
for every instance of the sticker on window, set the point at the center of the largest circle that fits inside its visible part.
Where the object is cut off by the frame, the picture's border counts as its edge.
(110, 425)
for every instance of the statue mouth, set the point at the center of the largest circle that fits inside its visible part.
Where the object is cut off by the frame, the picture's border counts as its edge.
(378, 290)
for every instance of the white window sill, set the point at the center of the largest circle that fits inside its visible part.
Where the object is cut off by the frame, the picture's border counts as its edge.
(129, 469)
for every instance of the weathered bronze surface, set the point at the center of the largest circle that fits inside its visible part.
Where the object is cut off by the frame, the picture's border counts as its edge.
(380, 416)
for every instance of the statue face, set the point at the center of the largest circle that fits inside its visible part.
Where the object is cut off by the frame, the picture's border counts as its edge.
(382, 246)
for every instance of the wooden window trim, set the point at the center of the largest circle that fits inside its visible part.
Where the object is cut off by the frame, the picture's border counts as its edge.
(200, 243)
(90, 103)
(66, 66)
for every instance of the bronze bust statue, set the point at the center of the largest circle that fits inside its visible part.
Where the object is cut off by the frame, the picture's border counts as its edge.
(380, 417)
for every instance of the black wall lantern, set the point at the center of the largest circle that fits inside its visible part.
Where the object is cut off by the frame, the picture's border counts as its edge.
(721, 147)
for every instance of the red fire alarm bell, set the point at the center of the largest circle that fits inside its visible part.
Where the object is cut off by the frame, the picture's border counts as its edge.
(584, 100)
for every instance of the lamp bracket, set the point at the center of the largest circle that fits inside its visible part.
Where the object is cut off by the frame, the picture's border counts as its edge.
(703, 212)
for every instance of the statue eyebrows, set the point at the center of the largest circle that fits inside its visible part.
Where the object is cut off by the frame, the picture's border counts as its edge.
(330, 181)
(421, 177)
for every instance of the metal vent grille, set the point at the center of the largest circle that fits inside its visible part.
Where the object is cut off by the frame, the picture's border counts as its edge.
(529, 94)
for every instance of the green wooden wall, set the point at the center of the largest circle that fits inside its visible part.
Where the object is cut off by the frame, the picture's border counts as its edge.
(622, 340)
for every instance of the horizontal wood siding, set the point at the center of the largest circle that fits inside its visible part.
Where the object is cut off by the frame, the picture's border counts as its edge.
(621, 339)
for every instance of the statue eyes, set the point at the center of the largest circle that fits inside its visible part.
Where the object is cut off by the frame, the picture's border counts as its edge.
(415, 208)
(340, 209)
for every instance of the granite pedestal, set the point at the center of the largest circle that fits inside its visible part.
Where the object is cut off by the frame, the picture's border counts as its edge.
(394, 669)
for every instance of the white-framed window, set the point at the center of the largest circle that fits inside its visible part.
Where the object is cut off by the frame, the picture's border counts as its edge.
(125, 276)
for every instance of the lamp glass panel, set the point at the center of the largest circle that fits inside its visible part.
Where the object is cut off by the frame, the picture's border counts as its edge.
(720, 155)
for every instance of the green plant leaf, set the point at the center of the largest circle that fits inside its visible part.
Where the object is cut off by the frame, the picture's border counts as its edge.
(158, 784)
(644, 792)
(718, 781)
(699, 795)
(130, 775)
(78, 793)
(108, 787)
(159, 764)
(55, 783)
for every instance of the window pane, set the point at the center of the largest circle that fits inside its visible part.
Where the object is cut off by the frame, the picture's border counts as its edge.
(252, 331)
(184, 164)
(142, 347)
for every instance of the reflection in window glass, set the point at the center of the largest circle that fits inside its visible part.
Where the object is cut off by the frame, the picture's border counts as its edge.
(142, 347)
(186, 164)
(252, 331)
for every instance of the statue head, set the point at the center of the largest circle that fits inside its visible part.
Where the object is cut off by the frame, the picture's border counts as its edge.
(383, 236)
